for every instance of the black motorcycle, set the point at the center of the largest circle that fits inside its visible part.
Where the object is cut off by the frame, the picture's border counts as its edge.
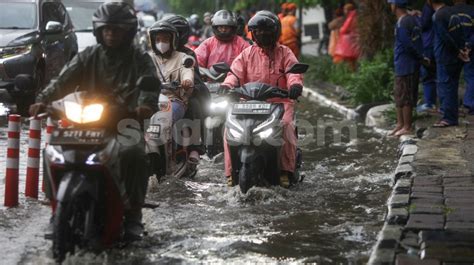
(254, 134)
(214, 122)
(81, 163)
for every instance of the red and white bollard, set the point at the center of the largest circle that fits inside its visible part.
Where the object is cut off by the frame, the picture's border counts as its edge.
(49, 130)
(33, 162)
(47, 140)
(13, 161)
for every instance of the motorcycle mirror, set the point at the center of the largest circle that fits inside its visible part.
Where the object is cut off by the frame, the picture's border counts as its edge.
(24, 82)
(298, 68)
(221, 68)
(188, 61)
(148, 83)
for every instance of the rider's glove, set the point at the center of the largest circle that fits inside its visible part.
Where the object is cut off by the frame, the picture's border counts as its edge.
(36, 109)
(295, 91)
(223, 89)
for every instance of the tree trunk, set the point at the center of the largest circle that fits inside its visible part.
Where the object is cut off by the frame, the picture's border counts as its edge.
(376, 25)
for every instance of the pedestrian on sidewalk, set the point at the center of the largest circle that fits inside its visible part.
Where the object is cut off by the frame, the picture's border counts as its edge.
(428, 72)
(335, 26)
(408, 54)
(465, 13)
(290, 32)
(449, 49)
(348, 43)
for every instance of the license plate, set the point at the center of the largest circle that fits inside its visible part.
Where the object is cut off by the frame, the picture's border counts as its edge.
(77, 136)
(251, 108)
(154, 131)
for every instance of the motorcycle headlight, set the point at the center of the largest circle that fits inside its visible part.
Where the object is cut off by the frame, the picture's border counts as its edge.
(219, 105)
(265, 134)
(7, 52)
(83, 114)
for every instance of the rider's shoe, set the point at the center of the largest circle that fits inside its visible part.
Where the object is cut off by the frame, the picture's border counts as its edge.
(284, 179)
(133, 227)
(230, 183)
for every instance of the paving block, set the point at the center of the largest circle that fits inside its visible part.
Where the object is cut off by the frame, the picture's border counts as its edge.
(402, 186)
(399, 200)
(449, 254)
(426, 195)
(414, 209)
(433, 202)
(397, 216)
(406, 159)
(427, 181)
(425, 221)
(458, 181)
(403, 171)
(409, 149)
(465, 188)
(460, 216)
(404, 259)
(459, 194)
(451, 202)
(460, 226)
(428, 189)
(446, 236)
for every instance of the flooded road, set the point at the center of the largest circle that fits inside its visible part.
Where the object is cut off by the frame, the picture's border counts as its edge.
(332, 217)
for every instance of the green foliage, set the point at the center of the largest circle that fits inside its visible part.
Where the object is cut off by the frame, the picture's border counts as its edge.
(373, 81)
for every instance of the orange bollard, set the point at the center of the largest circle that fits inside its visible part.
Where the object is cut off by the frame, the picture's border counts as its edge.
(34, 148)
(13, 160)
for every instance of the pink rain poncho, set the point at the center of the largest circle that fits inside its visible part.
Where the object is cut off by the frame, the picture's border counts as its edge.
(253, 65)
(213, 51)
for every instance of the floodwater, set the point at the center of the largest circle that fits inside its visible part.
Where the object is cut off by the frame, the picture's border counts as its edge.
(333, 216)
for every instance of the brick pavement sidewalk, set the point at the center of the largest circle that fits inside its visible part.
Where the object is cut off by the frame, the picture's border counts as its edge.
(430, 217)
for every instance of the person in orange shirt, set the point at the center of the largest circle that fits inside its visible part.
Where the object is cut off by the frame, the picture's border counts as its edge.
(282, 13)
(290, 33)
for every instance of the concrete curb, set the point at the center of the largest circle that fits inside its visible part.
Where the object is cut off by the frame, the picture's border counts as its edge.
(315, 96)
(388, 239)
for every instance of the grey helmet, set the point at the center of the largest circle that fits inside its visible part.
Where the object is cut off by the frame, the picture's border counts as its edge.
(224, 18)
(163, 26)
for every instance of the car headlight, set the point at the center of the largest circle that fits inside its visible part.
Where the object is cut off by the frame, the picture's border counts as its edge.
(7, 52)
(265, 134)
(83, 114)
(219, 105)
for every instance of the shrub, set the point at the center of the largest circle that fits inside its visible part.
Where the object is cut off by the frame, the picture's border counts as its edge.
(373, 81)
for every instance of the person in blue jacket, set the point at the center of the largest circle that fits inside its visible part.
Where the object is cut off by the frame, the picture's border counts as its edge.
(450, 52)
(408, 54)
(428, 72)
(465, 13)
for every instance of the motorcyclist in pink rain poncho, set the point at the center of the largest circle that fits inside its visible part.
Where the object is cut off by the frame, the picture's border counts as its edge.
(265, 63)
(225, 45)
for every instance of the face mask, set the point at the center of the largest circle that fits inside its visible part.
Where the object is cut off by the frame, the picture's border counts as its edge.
(163, 47)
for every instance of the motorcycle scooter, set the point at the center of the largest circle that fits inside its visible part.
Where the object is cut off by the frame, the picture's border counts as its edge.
(81, 165)
(214, 122)
(254, 134)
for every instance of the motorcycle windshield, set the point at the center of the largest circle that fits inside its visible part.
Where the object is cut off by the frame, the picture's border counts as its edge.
(256, 91)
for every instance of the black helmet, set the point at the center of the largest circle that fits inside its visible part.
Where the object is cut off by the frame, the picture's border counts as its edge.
(163, 26)
(268, 22)
(240, 25)
(182, 25)
(118, 14)
(224, 18)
